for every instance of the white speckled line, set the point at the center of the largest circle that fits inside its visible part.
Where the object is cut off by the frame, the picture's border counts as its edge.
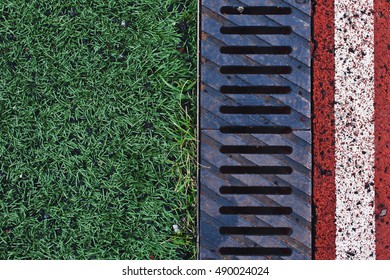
(354, 129)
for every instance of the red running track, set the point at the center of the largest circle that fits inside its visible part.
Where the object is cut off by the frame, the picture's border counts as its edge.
(382, 128)
(324, 138)
(324, 192)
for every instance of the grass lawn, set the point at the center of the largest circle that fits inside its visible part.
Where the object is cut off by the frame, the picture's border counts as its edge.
(97, 129)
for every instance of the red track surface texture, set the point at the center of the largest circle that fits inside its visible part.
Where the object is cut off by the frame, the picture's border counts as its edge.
(324, 191)
(382, 128)
(323, 130)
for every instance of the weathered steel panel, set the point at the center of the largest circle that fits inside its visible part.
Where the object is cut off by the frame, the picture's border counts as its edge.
(255, 130)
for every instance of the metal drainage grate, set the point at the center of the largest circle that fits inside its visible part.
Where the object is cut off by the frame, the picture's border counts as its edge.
(255, 130)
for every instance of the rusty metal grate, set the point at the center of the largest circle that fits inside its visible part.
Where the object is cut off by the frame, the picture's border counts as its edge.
(255, 129)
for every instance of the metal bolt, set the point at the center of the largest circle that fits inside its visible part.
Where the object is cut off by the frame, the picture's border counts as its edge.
(383, 213)
(240, 9)
(301, 1)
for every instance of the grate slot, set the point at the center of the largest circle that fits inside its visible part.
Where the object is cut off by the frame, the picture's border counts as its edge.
(255, 50)
(255, 89)
(232, 149)
(255, 230)
(266, 110)
(227, 169)
(253, 210)
(238, 69)
(255, 10)
(256, 30)
(255, 251)
(255, 190)
(256, 129)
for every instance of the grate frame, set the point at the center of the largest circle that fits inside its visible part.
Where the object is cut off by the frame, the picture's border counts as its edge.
(258, 72)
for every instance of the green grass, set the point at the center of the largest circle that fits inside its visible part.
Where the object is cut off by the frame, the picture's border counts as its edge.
(97, 129)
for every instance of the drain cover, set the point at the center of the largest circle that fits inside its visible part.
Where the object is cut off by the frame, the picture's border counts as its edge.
(255, 130)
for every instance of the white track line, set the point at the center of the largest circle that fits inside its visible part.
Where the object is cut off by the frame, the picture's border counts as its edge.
(354, 125)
